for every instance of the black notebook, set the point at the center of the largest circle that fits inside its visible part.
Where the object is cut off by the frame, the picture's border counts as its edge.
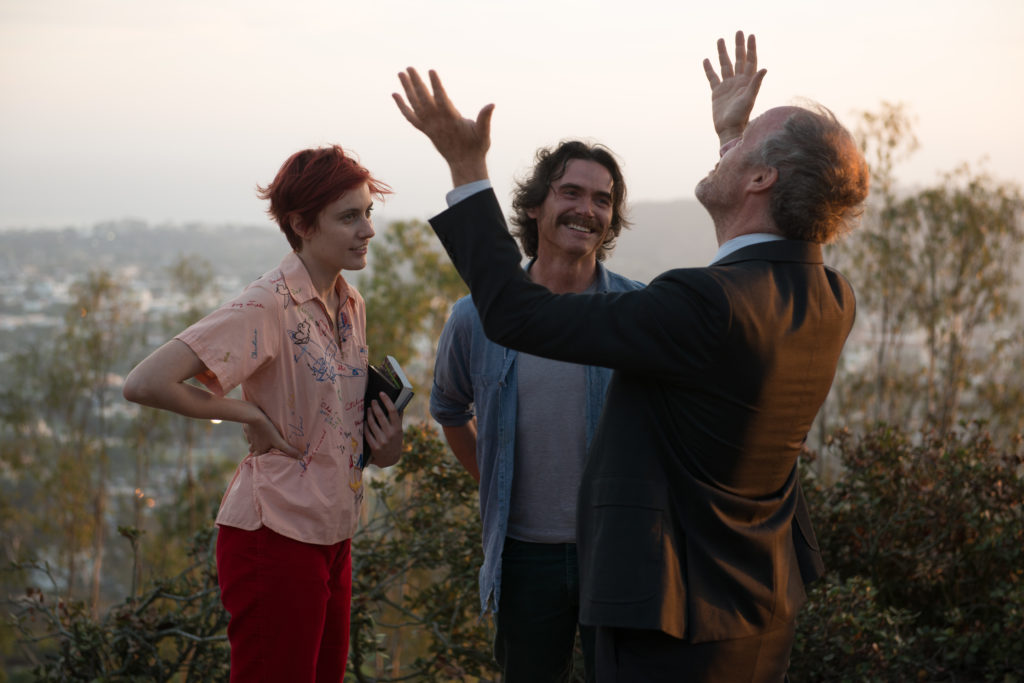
(389, 378)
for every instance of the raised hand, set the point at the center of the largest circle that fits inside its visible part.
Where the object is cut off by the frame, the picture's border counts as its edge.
(733, 95)
(462, 142)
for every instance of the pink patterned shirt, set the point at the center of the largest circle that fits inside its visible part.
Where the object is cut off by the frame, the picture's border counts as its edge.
(277, 341)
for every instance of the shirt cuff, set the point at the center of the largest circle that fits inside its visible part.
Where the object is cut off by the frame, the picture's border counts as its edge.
(466, 191)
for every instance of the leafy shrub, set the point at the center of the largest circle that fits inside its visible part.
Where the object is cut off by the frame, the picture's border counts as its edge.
(177, 626)
(415, 604)
(415, 611)
(923, 534)
(844, 634)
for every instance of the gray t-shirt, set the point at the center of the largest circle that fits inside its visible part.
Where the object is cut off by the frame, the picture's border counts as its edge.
(550, 446)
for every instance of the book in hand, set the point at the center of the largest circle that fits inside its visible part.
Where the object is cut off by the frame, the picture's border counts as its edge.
(389, 378)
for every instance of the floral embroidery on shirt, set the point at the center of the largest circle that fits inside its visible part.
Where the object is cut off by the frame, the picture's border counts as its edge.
(325, 368)
(344, 327)
(281, 288)
(329, 417)
(304, 461)
(300, 335)
(296, 431)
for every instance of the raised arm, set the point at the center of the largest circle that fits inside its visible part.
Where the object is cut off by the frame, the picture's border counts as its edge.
(733, 94)
(159, 382)
(462, 142)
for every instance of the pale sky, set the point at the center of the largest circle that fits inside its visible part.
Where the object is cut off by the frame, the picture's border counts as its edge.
(173, 110)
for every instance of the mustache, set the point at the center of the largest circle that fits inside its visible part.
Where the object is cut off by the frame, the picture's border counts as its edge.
(576, 219)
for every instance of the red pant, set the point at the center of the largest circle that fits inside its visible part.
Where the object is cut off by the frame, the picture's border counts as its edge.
(289, 604)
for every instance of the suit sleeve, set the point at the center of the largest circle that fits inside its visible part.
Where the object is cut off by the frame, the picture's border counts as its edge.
(664, 328)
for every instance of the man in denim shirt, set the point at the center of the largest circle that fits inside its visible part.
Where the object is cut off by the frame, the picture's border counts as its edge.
(521, 424)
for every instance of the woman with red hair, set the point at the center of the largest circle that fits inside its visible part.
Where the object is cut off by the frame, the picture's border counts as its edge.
(295, 341)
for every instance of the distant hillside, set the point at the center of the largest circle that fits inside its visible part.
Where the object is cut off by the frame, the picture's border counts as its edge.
(664, 235)
(238, 252)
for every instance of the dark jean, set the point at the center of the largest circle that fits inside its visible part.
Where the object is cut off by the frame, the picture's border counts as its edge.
(537, 613)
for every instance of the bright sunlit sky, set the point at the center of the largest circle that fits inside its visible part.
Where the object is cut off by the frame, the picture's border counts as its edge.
(173, 110)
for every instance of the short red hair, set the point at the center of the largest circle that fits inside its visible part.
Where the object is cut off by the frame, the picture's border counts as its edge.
(310, 180)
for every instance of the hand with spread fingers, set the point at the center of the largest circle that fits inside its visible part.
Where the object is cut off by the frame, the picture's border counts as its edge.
(461, 141)
(733, 95)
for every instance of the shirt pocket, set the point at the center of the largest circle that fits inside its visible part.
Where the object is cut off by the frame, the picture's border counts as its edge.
(486, 381)
(491, 366)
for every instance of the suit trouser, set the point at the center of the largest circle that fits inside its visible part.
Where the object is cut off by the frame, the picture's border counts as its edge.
(289, 604)
(639, 656)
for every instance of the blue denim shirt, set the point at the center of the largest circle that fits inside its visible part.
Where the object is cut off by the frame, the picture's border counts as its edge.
(474, 375)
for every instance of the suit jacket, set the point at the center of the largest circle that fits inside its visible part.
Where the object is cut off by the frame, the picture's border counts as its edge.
(687, 506)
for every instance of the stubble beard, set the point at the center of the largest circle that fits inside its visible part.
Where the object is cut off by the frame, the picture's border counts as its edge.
(707, 193)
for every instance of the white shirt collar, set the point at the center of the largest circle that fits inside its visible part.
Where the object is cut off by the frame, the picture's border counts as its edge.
(744, 241)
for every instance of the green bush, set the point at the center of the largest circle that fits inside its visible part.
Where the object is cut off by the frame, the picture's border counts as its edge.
(923, 536)
(415, 604)
(415, 611)
(844, 634)
(175, 631)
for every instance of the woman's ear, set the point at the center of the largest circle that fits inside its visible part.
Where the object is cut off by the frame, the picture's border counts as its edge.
(298, 227)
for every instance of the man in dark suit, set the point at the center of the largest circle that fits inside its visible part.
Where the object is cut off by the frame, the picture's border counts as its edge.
(691, 565)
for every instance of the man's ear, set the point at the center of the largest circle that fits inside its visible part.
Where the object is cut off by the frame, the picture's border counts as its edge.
(762, 179)
(533, 212)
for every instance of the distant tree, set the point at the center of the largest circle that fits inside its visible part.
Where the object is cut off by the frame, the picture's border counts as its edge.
(97, 334)
(934, 273)
(57, 419)
(875, 258)
(969, 231)
(415, 605)
(163, 440)
(67, 434)
(192, 278)
(409, 290)
(1003, 390)
(143, 438)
